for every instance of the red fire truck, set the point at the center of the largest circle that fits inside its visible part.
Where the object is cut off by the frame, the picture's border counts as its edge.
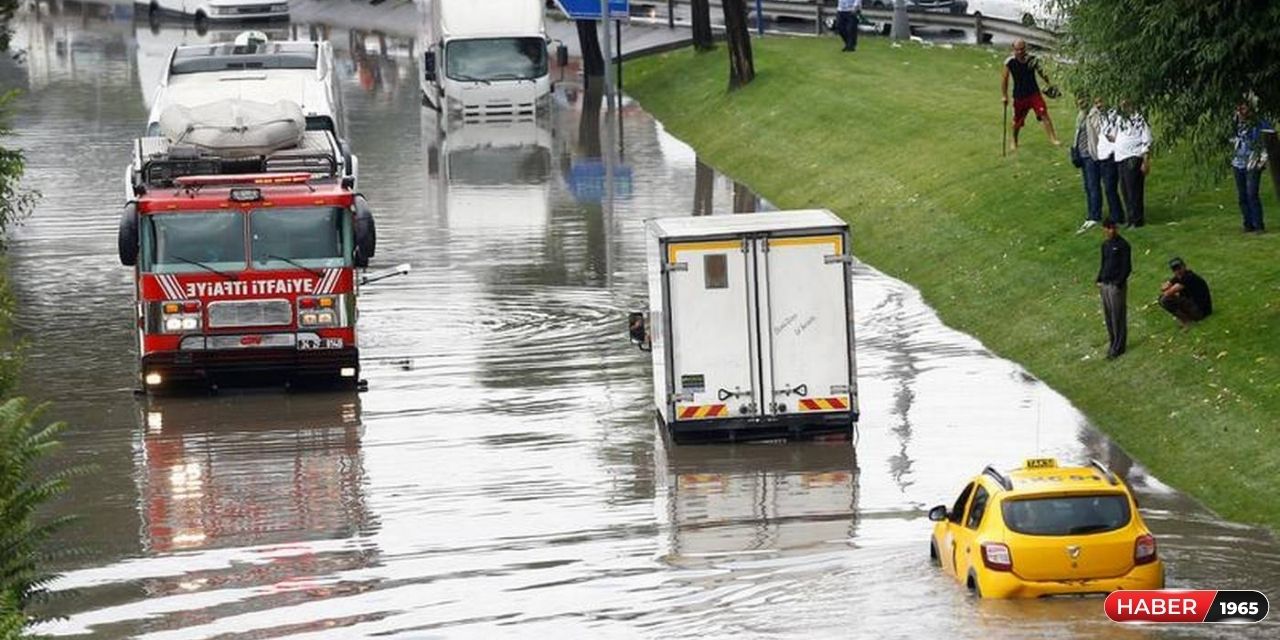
(245, 268)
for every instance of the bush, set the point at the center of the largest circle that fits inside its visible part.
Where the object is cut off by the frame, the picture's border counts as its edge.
(24, 489)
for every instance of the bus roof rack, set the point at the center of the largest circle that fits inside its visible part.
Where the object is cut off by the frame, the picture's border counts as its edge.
(1106, 473)
(1000, 478)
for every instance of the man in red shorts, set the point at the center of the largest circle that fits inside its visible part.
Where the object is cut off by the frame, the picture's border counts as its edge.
(1026, 91)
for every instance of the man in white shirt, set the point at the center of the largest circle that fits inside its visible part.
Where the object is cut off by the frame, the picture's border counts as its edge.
(847, 22)
(1133, 157)
(1108, 125)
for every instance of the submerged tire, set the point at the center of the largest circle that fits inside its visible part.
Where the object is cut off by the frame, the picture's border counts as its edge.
(934, 559)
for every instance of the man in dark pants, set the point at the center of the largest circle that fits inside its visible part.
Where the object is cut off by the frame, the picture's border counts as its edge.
(1113, 279)
(847, 22)
(1185, 295)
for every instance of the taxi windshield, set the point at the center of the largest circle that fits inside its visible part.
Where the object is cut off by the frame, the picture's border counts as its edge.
(309, 237)
(1067, 515)
(193, 241)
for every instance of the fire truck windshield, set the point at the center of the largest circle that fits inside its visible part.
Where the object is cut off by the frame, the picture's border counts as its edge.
(196, 241)
(310, 237)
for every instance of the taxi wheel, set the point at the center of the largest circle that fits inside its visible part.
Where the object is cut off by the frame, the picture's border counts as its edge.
(974, 586)
(933, 554)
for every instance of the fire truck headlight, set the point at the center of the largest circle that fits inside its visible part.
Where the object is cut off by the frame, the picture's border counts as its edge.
(153, 379)
(325, 318)
(308, 318)
(190, 323)
(173, 323)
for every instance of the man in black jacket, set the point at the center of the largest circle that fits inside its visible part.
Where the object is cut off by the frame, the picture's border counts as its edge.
(1185, 295)
(1113, 279)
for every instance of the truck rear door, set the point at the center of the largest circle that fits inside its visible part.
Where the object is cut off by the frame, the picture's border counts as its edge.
(804, 297)
(712, 329)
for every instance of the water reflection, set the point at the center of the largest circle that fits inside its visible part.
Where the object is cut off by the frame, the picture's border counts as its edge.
(719, 502)
(209, 478)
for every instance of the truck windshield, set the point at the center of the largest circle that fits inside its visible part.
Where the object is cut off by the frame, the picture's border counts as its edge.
(1067, 515)
(193, 241)
(315, 237)
(492, 59)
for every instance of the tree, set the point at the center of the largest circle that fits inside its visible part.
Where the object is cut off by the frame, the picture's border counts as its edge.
(703, 40)
(1187, 63)
(15, 201)
(741, 65)
(589, 42)
(7, 9)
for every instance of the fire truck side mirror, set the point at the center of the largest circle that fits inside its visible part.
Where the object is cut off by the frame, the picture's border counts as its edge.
(638, 329)
(127, 239)
(366, 233)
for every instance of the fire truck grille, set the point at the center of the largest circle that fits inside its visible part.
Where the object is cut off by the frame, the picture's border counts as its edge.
(250, 313)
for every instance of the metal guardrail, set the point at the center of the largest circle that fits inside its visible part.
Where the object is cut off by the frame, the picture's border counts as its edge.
(819, 12)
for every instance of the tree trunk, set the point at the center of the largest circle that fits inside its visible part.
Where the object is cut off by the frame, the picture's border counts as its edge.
(744, 201)
(589, 41)
(703, 40)
(741, 65)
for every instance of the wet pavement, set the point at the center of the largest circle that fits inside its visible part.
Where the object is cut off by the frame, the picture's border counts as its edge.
(502, 477)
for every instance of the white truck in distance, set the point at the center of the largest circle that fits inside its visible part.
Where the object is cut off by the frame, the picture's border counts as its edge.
(220, 10)
(484, 60)
(750, 325)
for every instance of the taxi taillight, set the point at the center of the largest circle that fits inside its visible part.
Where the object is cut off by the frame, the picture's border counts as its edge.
(1144, 549)
(996, 556)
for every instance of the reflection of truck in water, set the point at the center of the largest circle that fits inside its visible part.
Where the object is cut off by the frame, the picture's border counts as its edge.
(750, 325)
(716, 501)
(205, 11)
(484, 60)
(489, 175)
(281, 469)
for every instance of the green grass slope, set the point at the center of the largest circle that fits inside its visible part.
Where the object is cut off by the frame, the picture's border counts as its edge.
(904, 142)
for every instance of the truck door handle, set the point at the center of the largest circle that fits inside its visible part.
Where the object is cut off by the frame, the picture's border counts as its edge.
(799, 390)
(725, 394)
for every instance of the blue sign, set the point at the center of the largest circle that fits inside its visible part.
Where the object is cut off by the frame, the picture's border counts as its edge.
(587, 180)
(590, 9)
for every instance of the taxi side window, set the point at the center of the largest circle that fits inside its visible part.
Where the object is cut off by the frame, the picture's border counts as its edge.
(957, 510)
(979, 507)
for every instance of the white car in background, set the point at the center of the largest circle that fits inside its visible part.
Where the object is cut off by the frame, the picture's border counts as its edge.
(1032, 13)
(221, 9)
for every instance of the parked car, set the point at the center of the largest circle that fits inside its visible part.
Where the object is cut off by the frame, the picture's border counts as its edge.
(1032, 13)
(945, 6)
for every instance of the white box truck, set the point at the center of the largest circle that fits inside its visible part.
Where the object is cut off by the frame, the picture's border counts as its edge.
(750, 325)
(484, 60)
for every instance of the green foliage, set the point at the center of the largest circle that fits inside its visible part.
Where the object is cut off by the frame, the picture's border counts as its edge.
(24, 489)
(904, 142)
(16, 202)
(7, 9)
(1187, 63)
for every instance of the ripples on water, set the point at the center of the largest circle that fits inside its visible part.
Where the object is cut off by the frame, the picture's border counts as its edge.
(502, 477)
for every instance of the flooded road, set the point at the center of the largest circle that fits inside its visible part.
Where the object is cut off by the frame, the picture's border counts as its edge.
(502, 477)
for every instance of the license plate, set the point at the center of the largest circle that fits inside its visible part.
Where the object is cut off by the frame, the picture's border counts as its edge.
(317, 344)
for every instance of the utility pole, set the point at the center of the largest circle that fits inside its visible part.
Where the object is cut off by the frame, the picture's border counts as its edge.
(608, 53)
(901, 22)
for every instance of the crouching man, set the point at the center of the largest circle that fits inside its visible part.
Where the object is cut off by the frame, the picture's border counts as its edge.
(1185, 295)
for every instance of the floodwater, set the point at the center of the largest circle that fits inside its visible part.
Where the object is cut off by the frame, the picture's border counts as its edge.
(502, 477)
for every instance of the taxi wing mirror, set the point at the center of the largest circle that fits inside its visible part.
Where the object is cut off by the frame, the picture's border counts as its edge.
(638, 330)
(938, 513)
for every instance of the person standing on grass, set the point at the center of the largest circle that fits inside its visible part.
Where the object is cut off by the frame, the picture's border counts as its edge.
(1113, 282)
(1133, 160)
(1023, 68)
(1247, 163)
(1086, 149)
(1185, 295)
(847, 22)
(1107, 122)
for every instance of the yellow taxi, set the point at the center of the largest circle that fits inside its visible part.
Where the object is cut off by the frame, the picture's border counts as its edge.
(1045, 530)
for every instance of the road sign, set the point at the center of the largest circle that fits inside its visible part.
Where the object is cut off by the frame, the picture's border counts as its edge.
(587, 180)
(590, 9)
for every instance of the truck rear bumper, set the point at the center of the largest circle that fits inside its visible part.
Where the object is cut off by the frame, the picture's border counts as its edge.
(169, 370)
(788, 427)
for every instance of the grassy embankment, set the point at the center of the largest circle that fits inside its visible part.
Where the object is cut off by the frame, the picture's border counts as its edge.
(905, 144)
